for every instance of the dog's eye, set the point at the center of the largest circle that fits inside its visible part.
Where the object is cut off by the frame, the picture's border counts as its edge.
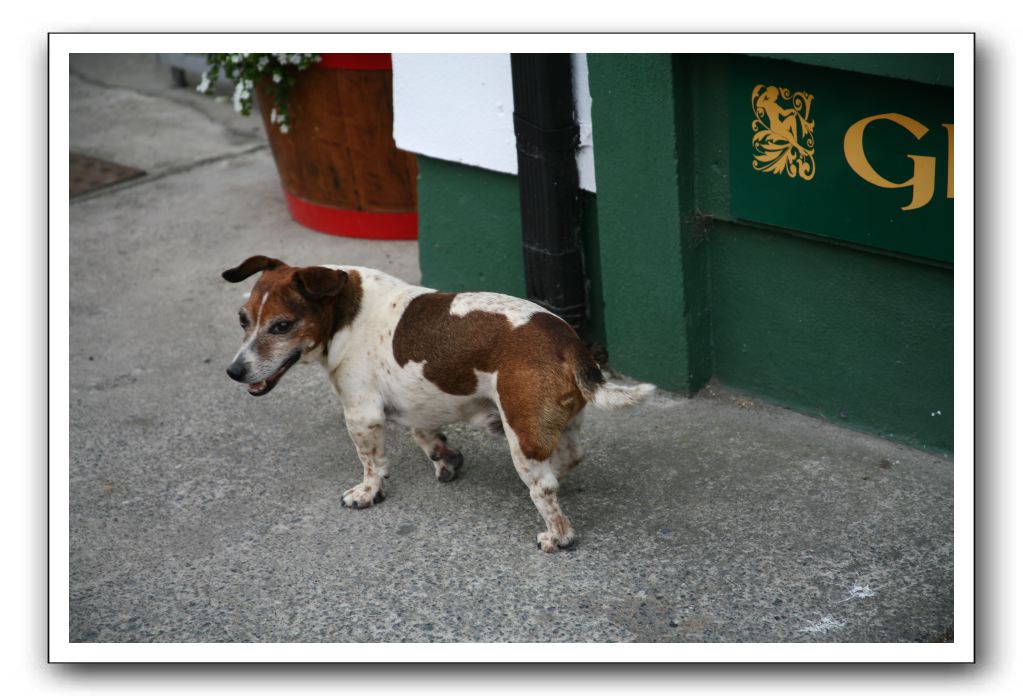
(243, 320)
(281, 327)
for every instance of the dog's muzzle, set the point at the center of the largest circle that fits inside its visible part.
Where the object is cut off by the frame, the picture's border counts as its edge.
(238, 371)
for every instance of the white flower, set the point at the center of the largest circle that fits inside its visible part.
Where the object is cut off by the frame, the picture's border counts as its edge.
(204, 85)
(284, 128)
(273, 115)
(277, 77)
(239, 95)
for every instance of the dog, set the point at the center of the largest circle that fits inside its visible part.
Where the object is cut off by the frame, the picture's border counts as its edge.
(395, 352)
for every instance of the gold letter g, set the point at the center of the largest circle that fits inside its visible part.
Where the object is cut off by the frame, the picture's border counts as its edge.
(922, 180)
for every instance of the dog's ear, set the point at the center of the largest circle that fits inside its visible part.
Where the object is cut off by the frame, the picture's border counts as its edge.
(316, 282)
(253, 264)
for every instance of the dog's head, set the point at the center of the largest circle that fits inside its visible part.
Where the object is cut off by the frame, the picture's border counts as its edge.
(289, 312)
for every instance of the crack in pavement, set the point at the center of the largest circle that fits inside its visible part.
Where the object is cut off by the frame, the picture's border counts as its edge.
(171, 171)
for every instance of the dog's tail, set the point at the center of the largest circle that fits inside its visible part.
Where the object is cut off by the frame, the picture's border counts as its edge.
(607, 395)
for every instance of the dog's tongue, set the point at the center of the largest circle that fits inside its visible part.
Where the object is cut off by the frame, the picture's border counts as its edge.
(258, 387)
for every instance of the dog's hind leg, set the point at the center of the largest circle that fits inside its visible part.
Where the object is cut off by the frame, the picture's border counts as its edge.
(536, 409)
(569, 452)
(447, 461)
(541, 477)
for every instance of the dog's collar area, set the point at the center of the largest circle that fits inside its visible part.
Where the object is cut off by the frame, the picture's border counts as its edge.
(265, 386)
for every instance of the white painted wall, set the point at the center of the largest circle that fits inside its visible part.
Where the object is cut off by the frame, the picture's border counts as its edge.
(458, 107)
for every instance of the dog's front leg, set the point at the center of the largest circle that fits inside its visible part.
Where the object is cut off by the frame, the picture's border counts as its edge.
(366, 426)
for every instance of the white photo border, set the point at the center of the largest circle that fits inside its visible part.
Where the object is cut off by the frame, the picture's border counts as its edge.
(62, 650)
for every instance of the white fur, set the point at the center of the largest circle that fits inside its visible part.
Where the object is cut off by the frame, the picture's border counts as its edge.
(518, 311)
(610, 396)
(259, 314)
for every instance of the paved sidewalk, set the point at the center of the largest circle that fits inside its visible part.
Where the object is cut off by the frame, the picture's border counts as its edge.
(201, 514)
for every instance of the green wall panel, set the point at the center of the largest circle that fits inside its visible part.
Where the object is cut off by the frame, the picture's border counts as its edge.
(861, 339)
(655, 320)
(469, 232)
(927, 68)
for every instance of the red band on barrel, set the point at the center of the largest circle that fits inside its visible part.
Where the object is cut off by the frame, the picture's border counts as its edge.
(352, 223)
(355, 61)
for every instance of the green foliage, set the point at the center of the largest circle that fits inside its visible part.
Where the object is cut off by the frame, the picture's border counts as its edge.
(276, 71)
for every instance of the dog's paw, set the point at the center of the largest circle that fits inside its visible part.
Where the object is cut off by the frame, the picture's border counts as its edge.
(361, 496)
(449, 466)
(548, 543)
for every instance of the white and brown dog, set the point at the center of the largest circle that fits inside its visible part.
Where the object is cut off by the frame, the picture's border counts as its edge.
(426, 359)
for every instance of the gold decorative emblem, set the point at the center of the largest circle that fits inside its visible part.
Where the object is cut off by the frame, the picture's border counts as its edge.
(782, 135)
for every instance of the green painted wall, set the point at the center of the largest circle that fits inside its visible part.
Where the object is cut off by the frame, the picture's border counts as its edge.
(857, 338)
(655, 311)
(926, 68)
(469, 232)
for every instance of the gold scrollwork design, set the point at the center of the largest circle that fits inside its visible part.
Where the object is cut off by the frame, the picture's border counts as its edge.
(782, 135)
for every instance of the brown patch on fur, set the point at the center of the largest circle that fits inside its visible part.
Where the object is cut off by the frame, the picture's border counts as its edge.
(537, 363)
(317, 317)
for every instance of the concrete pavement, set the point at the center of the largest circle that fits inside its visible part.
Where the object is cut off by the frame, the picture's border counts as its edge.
(199, 513)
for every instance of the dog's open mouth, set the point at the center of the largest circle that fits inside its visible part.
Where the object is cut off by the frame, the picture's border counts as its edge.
(264, 386)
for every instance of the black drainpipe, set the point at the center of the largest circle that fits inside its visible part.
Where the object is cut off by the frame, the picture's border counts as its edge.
(547, 137)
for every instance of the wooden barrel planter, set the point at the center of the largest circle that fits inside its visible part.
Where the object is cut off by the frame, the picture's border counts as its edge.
(338, 163)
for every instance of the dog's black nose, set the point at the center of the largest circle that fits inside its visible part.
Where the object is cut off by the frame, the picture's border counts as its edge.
(236, 371)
